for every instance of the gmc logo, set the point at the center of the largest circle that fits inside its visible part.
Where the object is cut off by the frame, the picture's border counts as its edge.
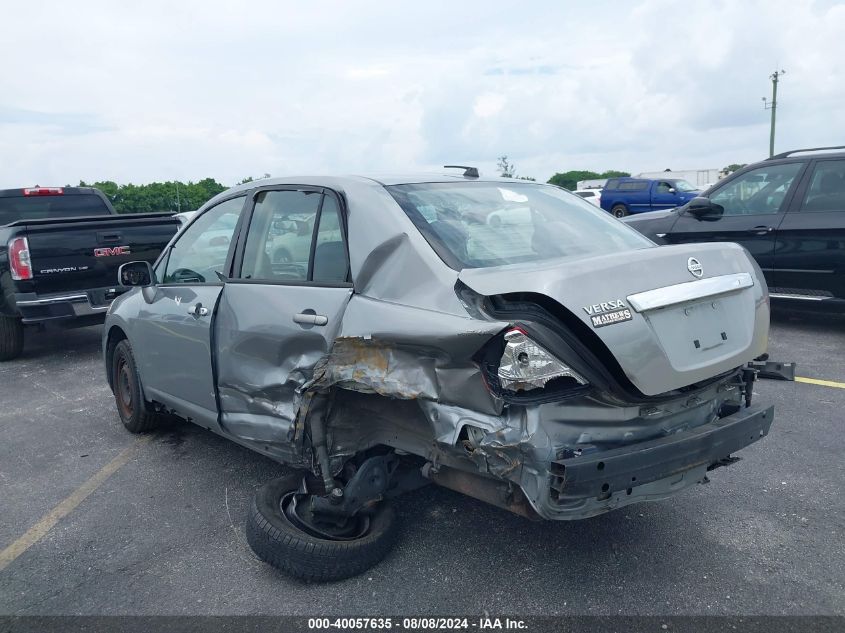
(111, 251)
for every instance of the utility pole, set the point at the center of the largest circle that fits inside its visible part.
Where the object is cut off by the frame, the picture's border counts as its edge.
(773, 105)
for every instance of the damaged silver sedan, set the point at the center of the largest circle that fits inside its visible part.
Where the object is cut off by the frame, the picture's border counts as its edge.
(380, 334)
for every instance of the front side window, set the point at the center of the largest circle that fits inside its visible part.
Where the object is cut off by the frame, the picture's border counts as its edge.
(827, 187)
(282, 244)
(476, 225)
(683, 185)
(200, 253)
(759, 191)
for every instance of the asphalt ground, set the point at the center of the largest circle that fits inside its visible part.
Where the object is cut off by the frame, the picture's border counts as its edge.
(161, 530)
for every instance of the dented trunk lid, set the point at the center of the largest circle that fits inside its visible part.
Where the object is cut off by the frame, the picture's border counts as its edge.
(671, 315)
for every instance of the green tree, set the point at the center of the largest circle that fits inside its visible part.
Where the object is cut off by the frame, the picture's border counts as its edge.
(251, 179)
(506, 169)
(158, 196)
(733, 167)
(569, 179)
(612, 173)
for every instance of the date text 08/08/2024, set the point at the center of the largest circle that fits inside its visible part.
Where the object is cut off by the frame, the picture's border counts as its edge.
(421, 623)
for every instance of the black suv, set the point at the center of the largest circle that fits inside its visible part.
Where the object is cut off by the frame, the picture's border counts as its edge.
(788, 211)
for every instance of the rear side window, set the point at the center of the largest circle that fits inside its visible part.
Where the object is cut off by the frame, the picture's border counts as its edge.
(295, 236)
(827, 187)
(639, 185)
(22, 207)
(611, 184)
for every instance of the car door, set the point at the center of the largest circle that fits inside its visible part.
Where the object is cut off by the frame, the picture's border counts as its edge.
(810, 250)
(663, 195)
(173, 330)
(753, 204)
(278, 317)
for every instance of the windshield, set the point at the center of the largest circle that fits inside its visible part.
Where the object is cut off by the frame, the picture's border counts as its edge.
(15, 208)
(683, 185)
(483, 224)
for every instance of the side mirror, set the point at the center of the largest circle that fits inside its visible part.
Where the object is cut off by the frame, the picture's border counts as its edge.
(672, 190)
(705, 209)
(133, 274)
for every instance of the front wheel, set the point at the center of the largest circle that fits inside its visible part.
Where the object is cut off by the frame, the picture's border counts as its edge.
(11, 338)
(619, 210)
(128, 397)
(282, 532)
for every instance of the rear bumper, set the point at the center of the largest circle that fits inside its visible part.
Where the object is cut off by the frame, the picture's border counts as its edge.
(590, 484)
(71, 305)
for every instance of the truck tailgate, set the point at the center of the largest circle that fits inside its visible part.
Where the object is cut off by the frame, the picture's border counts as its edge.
(85, 252)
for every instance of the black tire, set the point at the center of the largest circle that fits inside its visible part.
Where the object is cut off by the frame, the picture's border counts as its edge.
(619, 210)
(126, 386)
(11, 338)
(278, 541)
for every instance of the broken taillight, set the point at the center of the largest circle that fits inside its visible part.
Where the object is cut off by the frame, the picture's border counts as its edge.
(19, 261)
(525, 365)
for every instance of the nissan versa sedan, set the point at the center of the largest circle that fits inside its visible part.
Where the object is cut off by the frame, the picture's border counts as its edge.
(559, 366)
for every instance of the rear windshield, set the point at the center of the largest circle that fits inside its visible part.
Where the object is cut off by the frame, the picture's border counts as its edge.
(478, 225)
(63, 206)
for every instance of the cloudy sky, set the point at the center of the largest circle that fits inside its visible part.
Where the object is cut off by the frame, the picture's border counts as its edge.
(143, 91)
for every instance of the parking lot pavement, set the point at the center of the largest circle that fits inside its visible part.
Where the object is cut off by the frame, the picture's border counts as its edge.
(164, 534)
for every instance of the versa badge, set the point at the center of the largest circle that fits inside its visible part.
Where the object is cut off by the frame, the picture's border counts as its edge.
(608, 312)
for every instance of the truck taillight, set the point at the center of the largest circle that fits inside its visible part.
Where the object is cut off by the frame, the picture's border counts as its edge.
(19, 261)
(43, 191)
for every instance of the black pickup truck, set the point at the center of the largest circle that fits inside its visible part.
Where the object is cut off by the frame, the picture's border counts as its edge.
(60, 248)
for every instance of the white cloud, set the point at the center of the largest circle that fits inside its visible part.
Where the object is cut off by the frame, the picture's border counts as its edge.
(367, 72)
(488, 105)
(187, 90)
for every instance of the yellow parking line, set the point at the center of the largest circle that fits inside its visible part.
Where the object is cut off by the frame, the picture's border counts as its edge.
(45, 523)
(823, 383)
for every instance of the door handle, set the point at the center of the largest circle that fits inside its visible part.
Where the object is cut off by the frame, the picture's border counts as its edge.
(109, 237)
(309, 318)
(760, 230)
(198, 311)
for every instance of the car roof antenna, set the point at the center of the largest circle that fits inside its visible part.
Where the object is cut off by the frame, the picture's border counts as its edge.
(469, 172)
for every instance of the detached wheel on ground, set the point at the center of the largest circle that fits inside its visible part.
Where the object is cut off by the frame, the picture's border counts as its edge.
(282, 532)
(126, 385)
(11, 338)
(619, 210)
